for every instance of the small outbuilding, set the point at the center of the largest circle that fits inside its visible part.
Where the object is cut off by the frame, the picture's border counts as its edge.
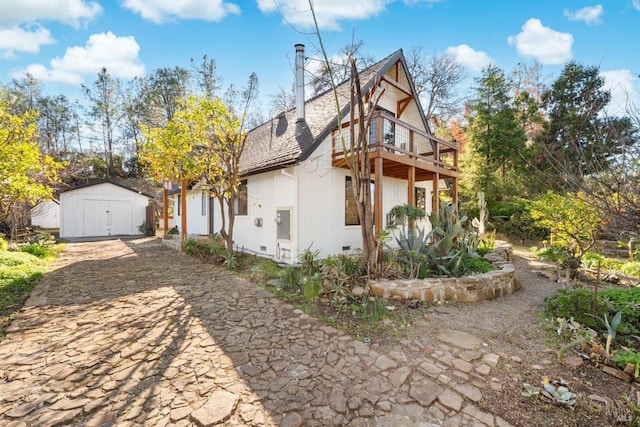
(46, 214)
(103, 208)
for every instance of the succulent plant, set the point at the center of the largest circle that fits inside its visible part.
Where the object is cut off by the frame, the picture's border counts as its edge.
(559, 394)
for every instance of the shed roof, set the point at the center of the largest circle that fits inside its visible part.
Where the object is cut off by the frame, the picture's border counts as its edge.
(107, 181)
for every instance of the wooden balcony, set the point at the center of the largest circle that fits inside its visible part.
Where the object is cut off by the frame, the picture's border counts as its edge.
(402, 148)
(399, 150)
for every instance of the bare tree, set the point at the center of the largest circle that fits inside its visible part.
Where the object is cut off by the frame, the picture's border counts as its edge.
(205, 78)
(283, 100)
(436, 79)
(338, 68)
(106, 109)
(357, 150)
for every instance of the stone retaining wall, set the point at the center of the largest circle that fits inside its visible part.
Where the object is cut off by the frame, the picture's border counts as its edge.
(485, 286)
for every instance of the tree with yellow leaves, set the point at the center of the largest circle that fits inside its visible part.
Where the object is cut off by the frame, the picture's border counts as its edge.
(25, 173)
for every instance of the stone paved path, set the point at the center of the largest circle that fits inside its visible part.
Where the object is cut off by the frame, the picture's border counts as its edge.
(131, 333)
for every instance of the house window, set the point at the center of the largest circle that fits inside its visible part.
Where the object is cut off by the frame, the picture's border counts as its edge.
(421, 198)
(241, 203)
(179, 204)
(350, 207)
(204, 199)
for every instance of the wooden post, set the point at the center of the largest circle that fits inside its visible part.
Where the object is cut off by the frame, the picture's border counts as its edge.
(183, 208)
(165, 208)
(411, 184)
(435, 200)
(377, 204)
(454, 192)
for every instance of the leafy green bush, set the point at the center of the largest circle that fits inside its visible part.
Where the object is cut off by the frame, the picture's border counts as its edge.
(197, 248)
(342, 270)
(310, 261)
(512, 219)
(627, 356)
(3, 244)
(591, 260)
(631, 268)
(42, 238)
(19, 273)
(290, 278)
(37, 250)
(578, 304)
(477, 265)
(311, 289)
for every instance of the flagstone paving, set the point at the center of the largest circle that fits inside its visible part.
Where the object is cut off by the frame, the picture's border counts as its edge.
(131, 333)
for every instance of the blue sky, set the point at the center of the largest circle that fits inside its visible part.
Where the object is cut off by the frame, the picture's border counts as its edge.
(64, 43)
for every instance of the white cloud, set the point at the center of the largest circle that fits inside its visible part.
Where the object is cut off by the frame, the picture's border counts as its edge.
(542, 43)
(328, 12)
(118, 54)
(160, 11)
(636, 5)
(625, 90)
(71, 12)
(18, 39)
(591, 15)
(473, 59)
(429, 2)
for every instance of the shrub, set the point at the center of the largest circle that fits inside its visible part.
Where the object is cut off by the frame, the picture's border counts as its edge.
(627, 356)
(37, 250)
(4, 245)
(309, 261)
(513, 219)
(42, 238)
(572, 223)
(578, 304)
(197, 248)
(290, 278)
(631, 268)
(311, 289)
(342, 270)
(478, 265)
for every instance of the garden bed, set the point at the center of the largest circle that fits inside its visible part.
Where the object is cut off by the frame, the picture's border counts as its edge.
(479, 287)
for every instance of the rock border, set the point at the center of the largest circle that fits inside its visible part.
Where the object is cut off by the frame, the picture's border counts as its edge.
(481, 287)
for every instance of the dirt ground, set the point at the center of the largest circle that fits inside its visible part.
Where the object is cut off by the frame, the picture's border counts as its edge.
(514, 328)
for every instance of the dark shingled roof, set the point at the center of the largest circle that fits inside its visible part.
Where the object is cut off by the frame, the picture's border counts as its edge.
(279, 143)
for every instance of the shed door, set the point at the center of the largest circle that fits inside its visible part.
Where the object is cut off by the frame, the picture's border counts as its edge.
(106, 218)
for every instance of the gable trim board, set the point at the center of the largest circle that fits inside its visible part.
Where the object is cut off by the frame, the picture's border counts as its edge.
(102, 209)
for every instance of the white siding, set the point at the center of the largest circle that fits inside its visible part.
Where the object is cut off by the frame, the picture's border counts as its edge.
(46, 215)
(101, 210)
(322, 205)
(315, 193)
(196, 222)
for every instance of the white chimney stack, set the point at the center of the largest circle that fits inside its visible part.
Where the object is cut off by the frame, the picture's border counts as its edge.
(299, 83)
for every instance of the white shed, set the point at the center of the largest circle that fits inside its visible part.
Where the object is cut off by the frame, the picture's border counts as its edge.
(101, 209)
(46, 214)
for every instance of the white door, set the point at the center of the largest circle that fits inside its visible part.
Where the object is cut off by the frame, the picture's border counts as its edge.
(119, 217)
(106, 218)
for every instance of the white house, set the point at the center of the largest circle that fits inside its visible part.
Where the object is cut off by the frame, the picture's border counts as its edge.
(103, 208)
(46, 214)
(296, 193)
(202, 210)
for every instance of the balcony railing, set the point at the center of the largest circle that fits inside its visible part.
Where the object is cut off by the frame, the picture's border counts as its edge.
(401, 142)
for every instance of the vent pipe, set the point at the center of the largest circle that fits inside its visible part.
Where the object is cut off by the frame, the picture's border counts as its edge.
(299, 83)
